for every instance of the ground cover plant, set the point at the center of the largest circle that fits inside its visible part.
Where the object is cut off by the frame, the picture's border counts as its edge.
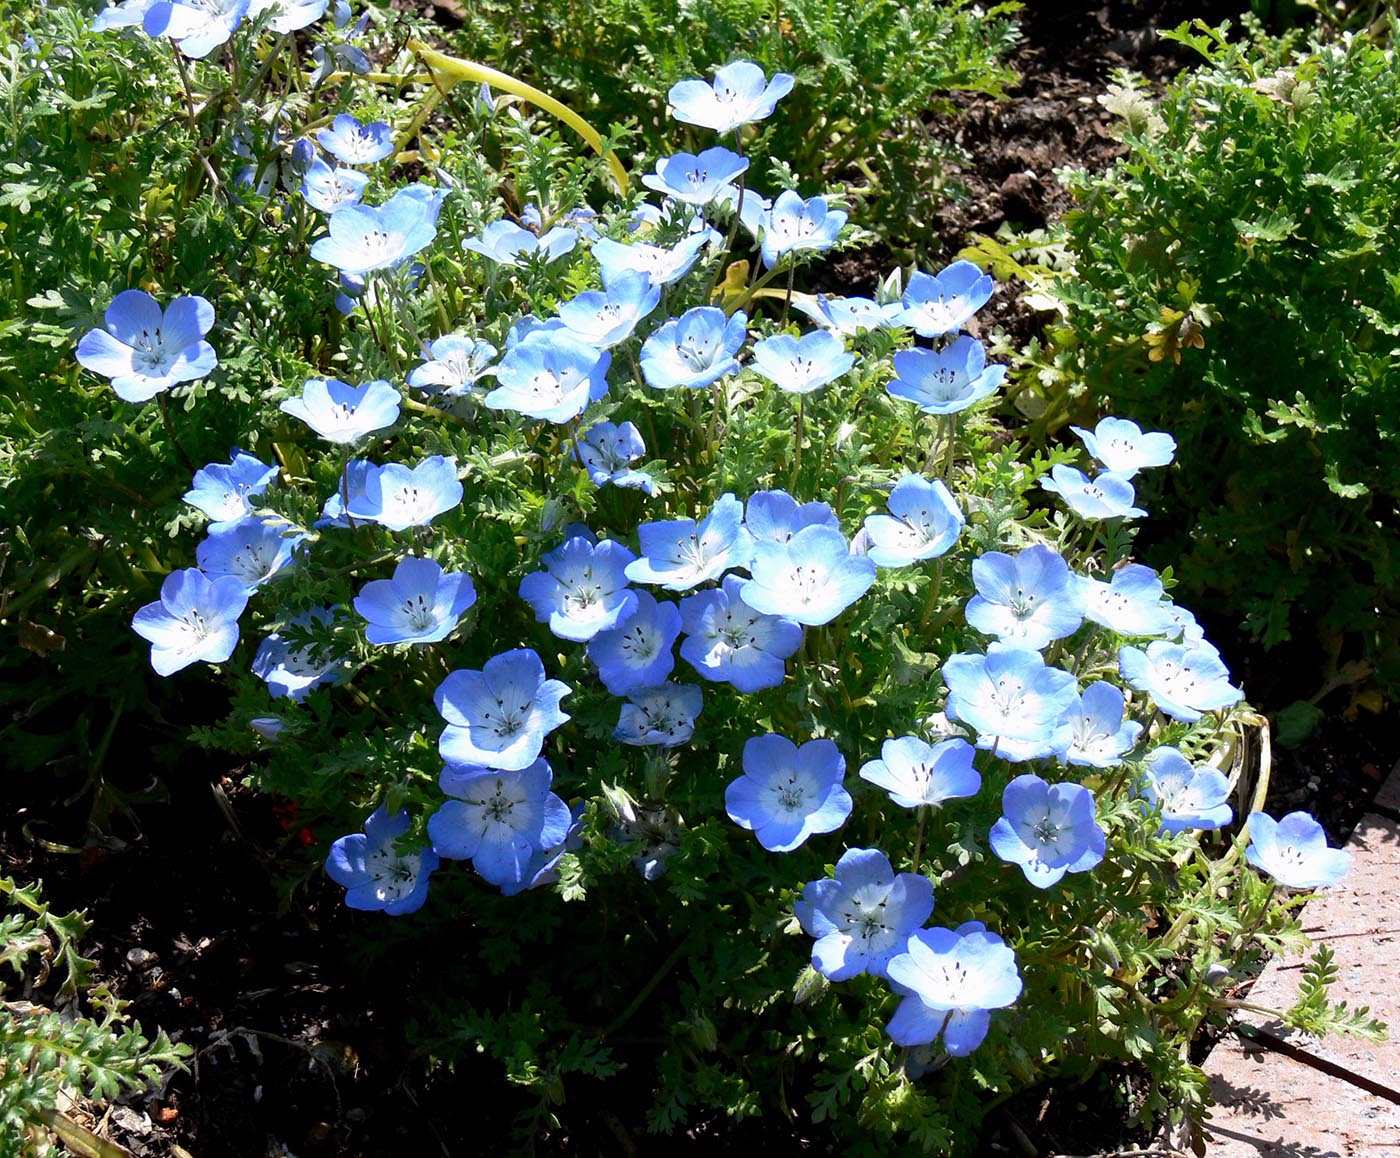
(768, 719)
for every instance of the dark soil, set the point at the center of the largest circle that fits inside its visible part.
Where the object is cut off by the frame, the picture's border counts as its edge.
(300, 1035)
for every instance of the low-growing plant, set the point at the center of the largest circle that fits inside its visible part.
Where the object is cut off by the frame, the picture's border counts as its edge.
(730, 650)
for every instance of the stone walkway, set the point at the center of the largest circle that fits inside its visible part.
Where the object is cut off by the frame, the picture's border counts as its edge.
(1284, 1095)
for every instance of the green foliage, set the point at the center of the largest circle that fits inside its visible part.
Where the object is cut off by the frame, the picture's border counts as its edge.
(869, 72)
(1232, 280)
(48, 1053)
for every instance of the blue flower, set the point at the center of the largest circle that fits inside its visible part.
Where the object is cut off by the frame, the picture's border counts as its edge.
(1294, 851)
(787, 793)
(330, 189)
(739, 95)
(864, 915)
(1130, 603)
(1101, 737)
(696, 180)
(1107, 496)
(1123, 448)
(801, 365)
(1011, 698)
(196, 26)
(662, 265)
(1027, 599)
(812, 578)
(499, 820)
(950, 980)
(662, 716)
(222, 492)
(604, 318)
(679, 554)
(917, 774)
(945, 381)
(456, 363)
(550, 375)
(195, 619)
(362, 238)
(399, 497)
(848, 316)
(353, 143)
(420, 604)
(636, 653)
(127, 14)
(1190, 796)
(797, 226)
(293, 670)
(375, 874)
(498, 716)
(943, 303)
(1184, 680)
(775, 516)
(144, 351)
(249, 550)
(341, 413)
(1048, 830)
(512, 245)
(543, 866)
(727, 640)
(694, 349)
(924, 521)
(581, 588)
(606, 449)
(292, 15)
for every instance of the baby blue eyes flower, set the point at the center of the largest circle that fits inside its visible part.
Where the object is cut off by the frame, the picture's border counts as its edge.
(420, 604)
(917, 774)
(696, 180)
(1011, 698)
(801, 365)
(1049, 830)
(398, 497)
(864, 915)
(606, 448)
(1107, 496)
(727, 640)
(294, 670)
(330, 189)
(1294, 851)
(512, 245)
(362, 238)
(1100, 736)
(195, 620)
(775, 516)
(498, 717)
(550, 375)
(693, 350)
(581, 588)
(455, 365)
(945, 381)
(636, 653)
(1184, 680)
(1190, 796)
(250, 551)
(662, 265)
(1026, 600)
(291, 15)
(679, 554)
(739, 95)
(127, 14)
(787, 793)
(499, 821)
(1130, 603)
(341, 413)
(661, 717)
(375, 874)
(196, 26)
(943, 303)
(847, 316)
(924, 521)
(222, 491)
(796, 226)
(604, 318)
(144, 350)
(353, 143)
(813, 578)
(1123, 448)
(951, 979)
